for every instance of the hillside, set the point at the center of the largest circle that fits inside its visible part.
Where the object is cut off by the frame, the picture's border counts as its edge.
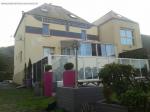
(6, 62)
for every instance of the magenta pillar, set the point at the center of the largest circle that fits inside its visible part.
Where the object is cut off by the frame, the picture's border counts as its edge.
(69, 78)
(48, 83)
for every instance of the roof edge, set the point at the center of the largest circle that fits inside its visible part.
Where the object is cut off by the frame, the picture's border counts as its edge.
(23, 14)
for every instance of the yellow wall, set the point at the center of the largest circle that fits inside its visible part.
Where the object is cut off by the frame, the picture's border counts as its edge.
(32, 45)
(19, 46)
(110, 32)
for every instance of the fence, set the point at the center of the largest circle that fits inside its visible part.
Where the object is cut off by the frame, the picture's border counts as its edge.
(38, 69)
(88, 66)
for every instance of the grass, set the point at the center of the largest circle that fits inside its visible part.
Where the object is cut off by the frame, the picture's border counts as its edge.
(22, 100)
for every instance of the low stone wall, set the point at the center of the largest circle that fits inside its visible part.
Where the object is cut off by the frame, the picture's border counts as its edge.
(73, 99)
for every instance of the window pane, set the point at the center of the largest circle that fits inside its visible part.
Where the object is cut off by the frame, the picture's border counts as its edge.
(110, 50)
(123, 41)
(99, 50)
(88, 49)
(93, 49)
(45, 29)
(129, 41)
(85, 49)
(129, 34)
(103, 50)
(83, 34)
(122, 33)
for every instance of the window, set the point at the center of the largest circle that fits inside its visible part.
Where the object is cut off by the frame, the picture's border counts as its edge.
(45, 29)
(48, 51)
(103, 50)
(126, 37)
(110, 50)
(99, 50)
(68, 51)
(94, 50)
(107, 50)
(83, 35)
(85, 49)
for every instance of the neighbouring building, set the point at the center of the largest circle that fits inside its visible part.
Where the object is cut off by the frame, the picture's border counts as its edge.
(146, 43)
(47, 29)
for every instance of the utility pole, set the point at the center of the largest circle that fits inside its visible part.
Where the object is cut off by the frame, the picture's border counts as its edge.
(76, 46)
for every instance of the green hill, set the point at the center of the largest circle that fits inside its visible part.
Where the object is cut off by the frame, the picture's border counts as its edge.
(6, 62)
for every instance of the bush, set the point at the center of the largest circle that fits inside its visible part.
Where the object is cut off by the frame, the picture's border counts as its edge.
(134, 99)
(68, 66)
(48, 67)
(117, 76)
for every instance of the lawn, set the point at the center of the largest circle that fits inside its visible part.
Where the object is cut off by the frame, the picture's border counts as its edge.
(22, 100)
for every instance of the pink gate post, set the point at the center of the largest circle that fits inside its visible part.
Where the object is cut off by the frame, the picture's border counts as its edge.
(69, 78)
(47, 80)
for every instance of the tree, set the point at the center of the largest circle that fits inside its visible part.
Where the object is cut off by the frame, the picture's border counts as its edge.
(29, 74)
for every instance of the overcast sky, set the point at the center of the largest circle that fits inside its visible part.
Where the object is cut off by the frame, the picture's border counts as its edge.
(90, 10)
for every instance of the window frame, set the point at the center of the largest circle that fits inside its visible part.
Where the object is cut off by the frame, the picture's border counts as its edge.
(83, 32)
(45, 34)
(126, 39)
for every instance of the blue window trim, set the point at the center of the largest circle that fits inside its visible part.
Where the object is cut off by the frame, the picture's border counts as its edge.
(45, 29)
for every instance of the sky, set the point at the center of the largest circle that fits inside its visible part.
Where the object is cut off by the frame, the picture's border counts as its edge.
(90, 10)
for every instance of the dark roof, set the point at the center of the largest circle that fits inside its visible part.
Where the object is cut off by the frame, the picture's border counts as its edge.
(140, 53)
(56, 12)
(109, 16)
(53, 11)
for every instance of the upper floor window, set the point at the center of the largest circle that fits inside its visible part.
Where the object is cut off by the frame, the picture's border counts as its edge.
(83, 35)
(126, 37)
(45, 29)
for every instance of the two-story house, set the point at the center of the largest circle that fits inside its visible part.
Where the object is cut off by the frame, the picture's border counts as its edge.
(46, 30)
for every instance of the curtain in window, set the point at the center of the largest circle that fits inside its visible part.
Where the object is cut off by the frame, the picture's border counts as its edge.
(85, 49)
(103, 50)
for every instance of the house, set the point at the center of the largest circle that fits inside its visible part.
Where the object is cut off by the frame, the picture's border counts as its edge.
(120, 31)
(47, 29)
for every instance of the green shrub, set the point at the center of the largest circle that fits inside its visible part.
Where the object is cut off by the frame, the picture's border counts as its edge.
(134, 99)
(117, 76)
(68, 66)
(48, 67)
(107, 91)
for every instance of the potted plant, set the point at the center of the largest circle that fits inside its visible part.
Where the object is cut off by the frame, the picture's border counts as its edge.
(69, 75)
